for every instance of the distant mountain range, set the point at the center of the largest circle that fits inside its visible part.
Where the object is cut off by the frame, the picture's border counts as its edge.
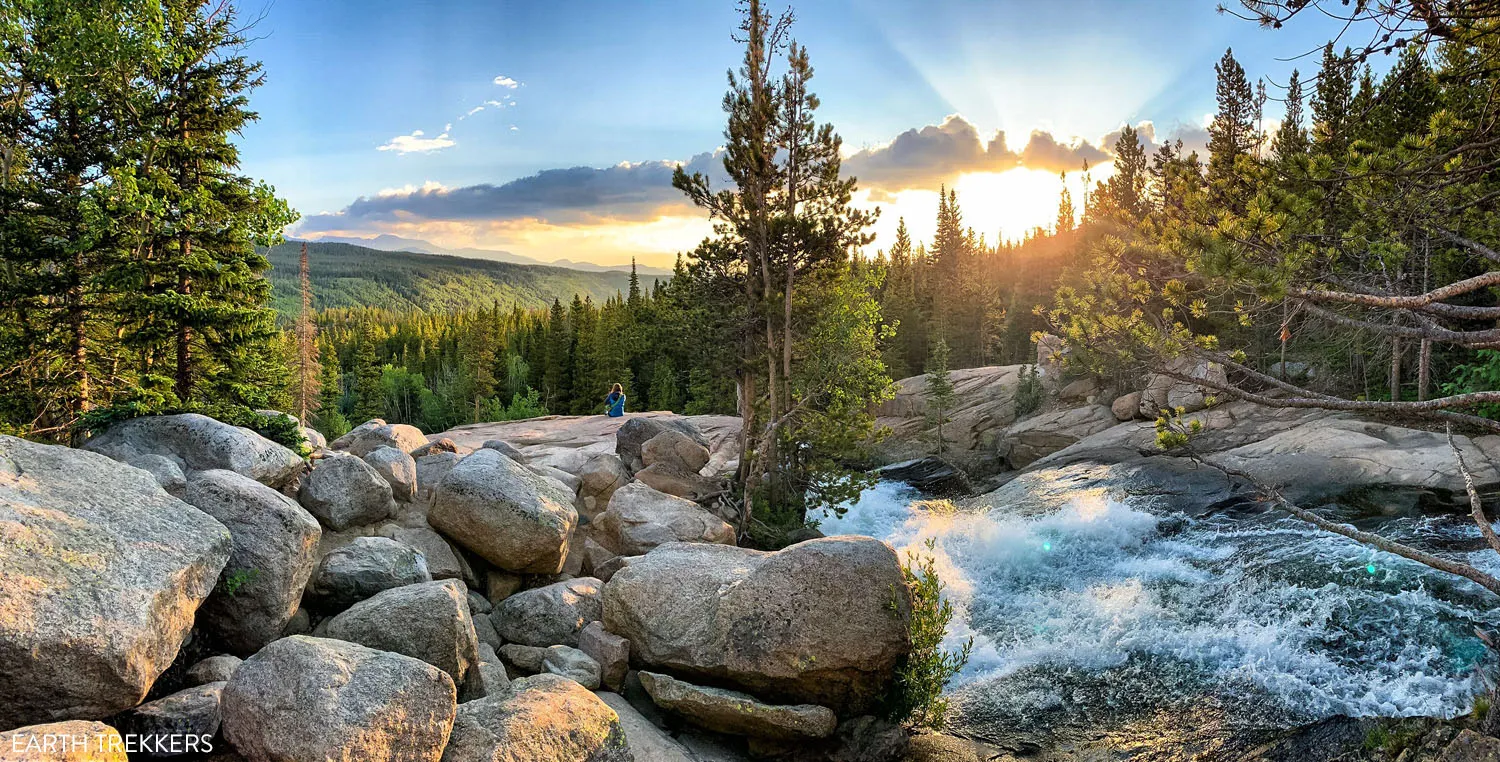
(350, 276)
(386, 242)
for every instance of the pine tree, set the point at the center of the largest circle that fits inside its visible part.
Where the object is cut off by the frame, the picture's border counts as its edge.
(307, 373)
(1066, 216)
(1291, 136)
(369, 396)
(940, 392)
(1232, 133)
(1331, 104)
(556, 379)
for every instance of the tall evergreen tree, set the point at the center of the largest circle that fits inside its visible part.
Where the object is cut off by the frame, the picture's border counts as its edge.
(1231, 134)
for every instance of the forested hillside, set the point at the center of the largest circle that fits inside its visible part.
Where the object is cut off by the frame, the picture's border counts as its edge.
(349, 276)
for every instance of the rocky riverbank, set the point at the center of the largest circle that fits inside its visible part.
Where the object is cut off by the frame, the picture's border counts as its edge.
(542, 590)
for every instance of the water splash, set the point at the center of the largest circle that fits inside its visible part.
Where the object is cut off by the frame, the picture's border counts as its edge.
(1117, 608)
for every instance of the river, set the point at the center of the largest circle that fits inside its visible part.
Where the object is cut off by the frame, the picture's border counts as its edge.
(1106, 619)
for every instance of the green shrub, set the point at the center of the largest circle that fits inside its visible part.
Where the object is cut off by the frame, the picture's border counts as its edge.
(232, 582)
(916, 695)
(1029, 391)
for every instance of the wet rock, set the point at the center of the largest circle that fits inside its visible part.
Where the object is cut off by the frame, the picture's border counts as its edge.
(363, 568)
(932, 475)
(738, 713)
(511, 517)
(274, 551)
(104, 572)
(640, 518)
(550, 615)
(305, 698)
(199, 443)
(821, 622)
(344, 491)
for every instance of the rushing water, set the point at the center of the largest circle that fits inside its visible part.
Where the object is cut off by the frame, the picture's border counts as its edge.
(1106, 617)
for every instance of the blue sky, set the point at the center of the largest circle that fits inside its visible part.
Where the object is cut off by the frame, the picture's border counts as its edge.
(594, 84)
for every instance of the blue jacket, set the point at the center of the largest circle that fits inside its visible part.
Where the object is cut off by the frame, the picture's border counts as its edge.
(615, 404)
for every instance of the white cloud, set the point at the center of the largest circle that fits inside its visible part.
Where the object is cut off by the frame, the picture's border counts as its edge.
(415, 142)
(514, 128)
(496, 104)
(471, 112)
(431, 186)
(506, 82)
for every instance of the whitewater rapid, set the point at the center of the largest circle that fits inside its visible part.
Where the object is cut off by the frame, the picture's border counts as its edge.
(1109, 610)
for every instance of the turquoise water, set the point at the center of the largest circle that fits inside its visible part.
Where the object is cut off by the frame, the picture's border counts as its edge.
(1104, 614)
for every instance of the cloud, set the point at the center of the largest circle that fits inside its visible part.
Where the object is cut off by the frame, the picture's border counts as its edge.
(506, 82)
(497, 104)
(1043, 151)
(926, 157)
(471, 112)
(416, 143)
(637, 192)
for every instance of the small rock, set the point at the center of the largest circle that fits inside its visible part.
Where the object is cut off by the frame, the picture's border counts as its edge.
(738, 713)
(214, 669)
(647, 742)
(493, 679)
(526, 659)
(1126, 407)
(549, 615)
(675, 481)
(478, 604)
(504, 448)
(600, 476)
(432, 467)
(634, 433)
(499, 585)
(440, 445)
(1472, 747)
(609, 650)
(573, 664)
(443, 561)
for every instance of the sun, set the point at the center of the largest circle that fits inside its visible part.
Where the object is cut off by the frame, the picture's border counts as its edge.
(1001, 205)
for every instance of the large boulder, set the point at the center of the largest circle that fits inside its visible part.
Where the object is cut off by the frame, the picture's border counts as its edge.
(544, 718)
(550, 615)
(1165, 392)
(672, 480)
(984, 404)
(102, 575)
(432, 467)
(675, 449)
(631, 437)
(374, 434)
(511, 517)
(344, 491)
(822, 622)
(736, 713)
(1044, 434)
(275, 548)
(640, 518)
(601, 475)
(182, 724)
(53, 742)
(364, 568)
(199, 443)
(428, 621)
(305, 698)
(397, 468)
(443, 562)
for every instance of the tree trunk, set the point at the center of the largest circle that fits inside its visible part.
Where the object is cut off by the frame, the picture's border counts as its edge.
(1396, 350)
(1424, 369)
(184, 385)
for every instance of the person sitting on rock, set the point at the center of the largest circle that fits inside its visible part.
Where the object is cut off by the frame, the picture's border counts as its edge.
(614, 404)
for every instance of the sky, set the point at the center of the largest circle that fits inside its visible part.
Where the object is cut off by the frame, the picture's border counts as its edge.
(550, 128)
